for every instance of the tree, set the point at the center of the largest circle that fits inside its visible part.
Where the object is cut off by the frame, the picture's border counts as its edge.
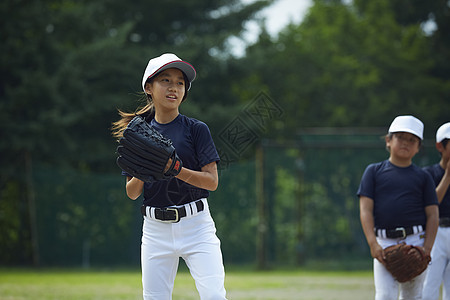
(66, 66)
(342, 68)
(422, 13)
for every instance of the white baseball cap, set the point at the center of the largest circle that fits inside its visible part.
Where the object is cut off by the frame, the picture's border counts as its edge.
(443, 133)
(407, 124)
(166, 61)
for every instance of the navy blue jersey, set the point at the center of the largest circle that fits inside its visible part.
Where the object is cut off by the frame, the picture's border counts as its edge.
(437, 173)
(399, 194)
(195, 147)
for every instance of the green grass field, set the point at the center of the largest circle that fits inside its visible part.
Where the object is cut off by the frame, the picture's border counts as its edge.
(248, 285)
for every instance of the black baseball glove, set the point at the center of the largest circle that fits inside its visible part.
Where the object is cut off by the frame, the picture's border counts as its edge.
(145, 154)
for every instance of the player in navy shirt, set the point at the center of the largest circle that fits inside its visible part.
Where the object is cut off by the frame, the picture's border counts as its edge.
(439, 270)
(398, 204)
(400, 194)
(195, 147)
(177, 221)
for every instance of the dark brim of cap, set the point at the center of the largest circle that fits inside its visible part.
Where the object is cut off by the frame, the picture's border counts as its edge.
(183, 66)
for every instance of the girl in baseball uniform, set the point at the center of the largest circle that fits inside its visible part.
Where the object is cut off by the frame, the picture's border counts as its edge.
(177, 221)
(439, 270)
(398, 204)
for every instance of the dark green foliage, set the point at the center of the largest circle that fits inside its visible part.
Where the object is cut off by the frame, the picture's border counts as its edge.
(67, 66)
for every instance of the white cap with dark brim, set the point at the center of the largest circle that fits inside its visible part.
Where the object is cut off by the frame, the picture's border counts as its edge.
(407, 124)
(167, 61)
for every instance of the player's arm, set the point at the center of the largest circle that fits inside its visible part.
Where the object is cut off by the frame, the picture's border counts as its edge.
(134, 187)
(207, 178)
(443, 186)
(368, 224)
(432, 213)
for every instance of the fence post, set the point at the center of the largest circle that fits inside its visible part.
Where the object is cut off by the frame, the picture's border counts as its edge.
(31, 202)
(261, 207)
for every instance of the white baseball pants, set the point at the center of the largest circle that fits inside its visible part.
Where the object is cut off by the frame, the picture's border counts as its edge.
(439, 270)
(193, 239)
(386, 287)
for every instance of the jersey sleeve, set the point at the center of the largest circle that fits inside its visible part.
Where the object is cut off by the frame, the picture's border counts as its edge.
(367, 184)
(205, 148)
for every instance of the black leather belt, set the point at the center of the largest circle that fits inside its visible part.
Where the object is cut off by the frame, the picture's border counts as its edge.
(444, 222)
(172, 214)
(400, 232)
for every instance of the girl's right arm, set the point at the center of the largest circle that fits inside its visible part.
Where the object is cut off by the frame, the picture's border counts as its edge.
(368, 224)
(134, 187)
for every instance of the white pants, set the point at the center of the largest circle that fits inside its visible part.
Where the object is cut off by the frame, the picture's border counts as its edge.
(193, 239)
(386, 287)
(439, 270)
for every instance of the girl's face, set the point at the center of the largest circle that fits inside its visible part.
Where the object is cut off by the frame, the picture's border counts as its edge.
(167, 89)
(403, 145)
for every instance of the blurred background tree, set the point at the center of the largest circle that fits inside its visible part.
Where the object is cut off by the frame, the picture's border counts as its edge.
(67, 66)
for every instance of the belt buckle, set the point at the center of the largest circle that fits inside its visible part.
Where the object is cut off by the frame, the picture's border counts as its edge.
(177, 216)
(403, 231)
